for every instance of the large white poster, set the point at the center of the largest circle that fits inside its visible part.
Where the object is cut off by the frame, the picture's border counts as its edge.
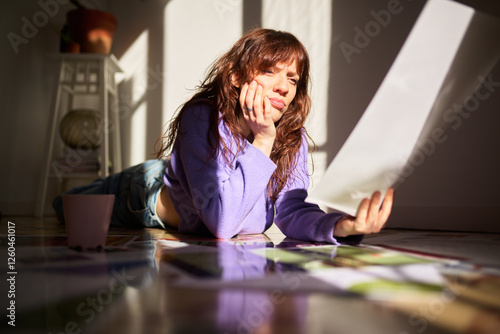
(448, 50)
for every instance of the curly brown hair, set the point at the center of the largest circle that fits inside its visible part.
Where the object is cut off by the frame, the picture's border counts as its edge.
(255, 52)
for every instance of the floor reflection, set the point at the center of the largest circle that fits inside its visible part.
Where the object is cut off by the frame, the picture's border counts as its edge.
(156, 281)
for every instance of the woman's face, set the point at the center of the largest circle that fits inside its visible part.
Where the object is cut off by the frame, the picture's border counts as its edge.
(279, 84)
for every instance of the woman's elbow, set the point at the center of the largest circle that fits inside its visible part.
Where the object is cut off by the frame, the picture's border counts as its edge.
(223, 234)
(221, 230)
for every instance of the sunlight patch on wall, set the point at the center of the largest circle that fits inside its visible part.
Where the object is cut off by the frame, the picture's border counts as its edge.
(135, 63)
(193, 40)
(133, 89)
(138, 135)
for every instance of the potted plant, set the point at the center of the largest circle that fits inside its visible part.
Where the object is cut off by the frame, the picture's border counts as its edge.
(66, 43)
(92, 29)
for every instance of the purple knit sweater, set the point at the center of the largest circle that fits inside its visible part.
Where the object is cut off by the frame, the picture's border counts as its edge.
(229, 200)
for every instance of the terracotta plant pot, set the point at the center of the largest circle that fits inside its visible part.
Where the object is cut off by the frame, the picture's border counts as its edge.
(92, 29)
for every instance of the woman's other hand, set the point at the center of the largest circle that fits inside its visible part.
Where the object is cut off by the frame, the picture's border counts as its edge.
(370, 217)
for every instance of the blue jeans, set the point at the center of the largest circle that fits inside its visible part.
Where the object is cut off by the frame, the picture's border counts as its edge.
(136, 191)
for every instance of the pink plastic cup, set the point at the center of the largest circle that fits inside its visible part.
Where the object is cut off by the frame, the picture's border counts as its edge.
(87, 219)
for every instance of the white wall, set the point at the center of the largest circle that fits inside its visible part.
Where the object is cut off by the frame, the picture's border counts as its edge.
(312, 25)
(165, 46)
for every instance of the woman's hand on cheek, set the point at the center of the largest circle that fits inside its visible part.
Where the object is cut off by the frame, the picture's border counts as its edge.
(370, 218)
(257, 115)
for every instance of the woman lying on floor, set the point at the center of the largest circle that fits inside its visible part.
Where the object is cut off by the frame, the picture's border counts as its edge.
(234, 158)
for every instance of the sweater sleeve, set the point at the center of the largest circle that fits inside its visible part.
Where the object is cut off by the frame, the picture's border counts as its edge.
(299, 219)
(227, 198)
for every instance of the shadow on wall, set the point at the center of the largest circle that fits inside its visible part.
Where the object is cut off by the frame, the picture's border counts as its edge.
(366, 38)
(455, 189)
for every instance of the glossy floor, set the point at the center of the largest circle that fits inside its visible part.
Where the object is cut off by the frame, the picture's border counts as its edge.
(156, 281)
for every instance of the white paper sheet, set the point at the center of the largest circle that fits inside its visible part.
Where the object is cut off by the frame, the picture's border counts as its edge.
(434, 68)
